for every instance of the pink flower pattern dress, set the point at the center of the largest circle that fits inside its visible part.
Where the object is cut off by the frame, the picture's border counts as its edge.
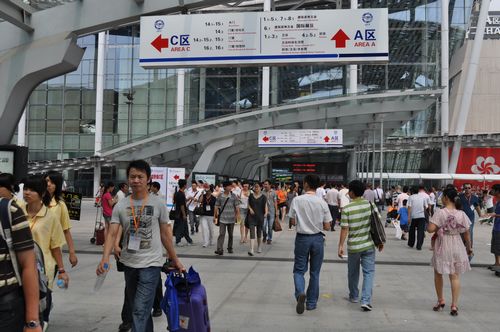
(450, 254)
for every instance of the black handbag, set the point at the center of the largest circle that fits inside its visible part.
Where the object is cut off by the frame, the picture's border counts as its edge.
(172, 214)
(377, 231)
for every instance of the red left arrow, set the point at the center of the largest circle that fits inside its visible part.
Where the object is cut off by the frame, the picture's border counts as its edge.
(176, 177)
(160, 43)
(265, 139)
(340, 39)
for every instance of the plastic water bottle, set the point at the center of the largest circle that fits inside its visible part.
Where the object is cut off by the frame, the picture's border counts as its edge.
(100, 278)
(61, 284)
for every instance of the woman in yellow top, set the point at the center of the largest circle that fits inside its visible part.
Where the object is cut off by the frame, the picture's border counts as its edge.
(60, 210)
(8, 187)
(47, 232)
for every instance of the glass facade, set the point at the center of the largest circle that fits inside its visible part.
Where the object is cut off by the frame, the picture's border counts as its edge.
(139, 102)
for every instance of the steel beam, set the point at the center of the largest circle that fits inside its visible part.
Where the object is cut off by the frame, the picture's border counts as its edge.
(16, 14)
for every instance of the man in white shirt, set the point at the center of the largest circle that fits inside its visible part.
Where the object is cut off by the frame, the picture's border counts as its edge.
(320, 191)
(369, 194)
(122, 193)
(311, 216)
(344, 196)
(192, 196)
(418, 203)
(379, 197)
(401, 197)
(333, 201)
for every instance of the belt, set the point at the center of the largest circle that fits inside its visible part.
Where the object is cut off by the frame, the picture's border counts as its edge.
(11, 296)
(315, 234)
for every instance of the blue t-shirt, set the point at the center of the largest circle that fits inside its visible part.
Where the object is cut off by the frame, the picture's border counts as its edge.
(467, 203)
(403, 216)
(496, 226)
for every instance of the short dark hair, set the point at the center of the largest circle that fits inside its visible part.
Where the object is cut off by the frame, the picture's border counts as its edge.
(122, 185)
(496, 188)
(405, 201)
(226, 183)
(200, 182)
(405, 189)
(312, 181)
(268, 181)
(156, 184)
(194, 182)
(38, 184)
(182, 183)
(108, 185)
(357, 188)
(140, 165)
(8, 181)
(466, 184)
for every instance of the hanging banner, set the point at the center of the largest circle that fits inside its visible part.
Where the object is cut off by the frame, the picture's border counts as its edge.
(173, 177)
(300, 138)
(478, 161)
(73, 202)
(205, 177)
(280, 37)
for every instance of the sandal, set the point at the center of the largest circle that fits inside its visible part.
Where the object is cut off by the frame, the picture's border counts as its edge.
(439, 305)
(454, 310)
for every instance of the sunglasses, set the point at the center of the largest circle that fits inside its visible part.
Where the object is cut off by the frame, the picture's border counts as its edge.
(467, 187)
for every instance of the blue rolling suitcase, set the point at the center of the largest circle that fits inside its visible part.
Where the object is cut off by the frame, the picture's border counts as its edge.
(185, 302)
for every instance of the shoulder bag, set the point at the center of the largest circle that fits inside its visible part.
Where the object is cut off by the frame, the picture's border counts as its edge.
(377, 231)
(216, 221)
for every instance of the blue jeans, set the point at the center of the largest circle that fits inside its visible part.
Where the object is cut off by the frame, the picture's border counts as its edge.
(471, 231)
(308, 248)
(268, 224)
(140, 285)
(367, 260)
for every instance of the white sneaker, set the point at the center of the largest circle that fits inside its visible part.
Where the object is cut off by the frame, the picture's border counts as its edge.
(259, 250)
(45, 326)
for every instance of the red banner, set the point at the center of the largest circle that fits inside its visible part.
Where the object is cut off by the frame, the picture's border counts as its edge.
(478, 161)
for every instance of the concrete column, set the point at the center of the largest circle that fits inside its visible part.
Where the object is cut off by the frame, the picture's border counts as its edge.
(445, 60)
(381, 153)
(265, 70)
(97, 177)
(353, 69)
(203, 88)
(351, 166)
(180, 97)
(470, 80)
(21, 129)
(99, 99)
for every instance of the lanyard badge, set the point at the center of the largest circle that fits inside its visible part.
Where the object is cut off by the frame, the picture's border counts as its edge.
(134, 241)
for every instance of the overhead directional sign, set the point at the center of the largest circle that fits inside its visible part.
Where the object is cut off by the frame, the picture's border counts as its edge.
(344, 36)
(300, 138)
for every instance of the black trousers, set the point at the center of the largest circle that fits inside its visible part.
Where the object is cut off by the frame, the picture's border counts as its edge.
(418, 225)
(158, 296)
(181, 230)
(127, 306)
(334, 211)
(12, 312)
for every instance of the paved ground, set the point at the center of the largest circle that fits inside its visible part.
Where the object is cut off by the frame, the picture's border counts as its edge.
(257, 294)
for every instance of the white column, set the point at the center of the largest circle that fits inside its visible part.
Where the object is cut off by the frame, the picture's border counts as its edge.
(266, 77)
(99, 96)
(180, 97)
(470, 80)
(99, 102)
(381, 153)
(353, 69)
(373, 157)
(445, 60)
(21, 129)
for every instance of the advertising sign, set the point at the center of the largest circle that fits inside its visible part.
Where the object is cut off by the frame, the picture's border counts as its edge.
(173, 177)
(205, 177)
(229, 39)
(159, 174)
(300, 138)
(73, 203)
(478, 161)
(7, 162)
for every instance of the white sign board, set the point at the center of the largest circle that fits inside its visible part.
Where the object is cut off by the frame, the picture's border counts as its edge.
(7, 162)
(300, 138)
(159, 174)
(206, 178)
(229, 39)
(173, 177)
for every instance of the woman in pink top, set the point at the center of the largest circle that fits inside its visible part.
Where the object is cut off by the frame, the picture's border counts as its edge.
(450, 256)
(107, 205)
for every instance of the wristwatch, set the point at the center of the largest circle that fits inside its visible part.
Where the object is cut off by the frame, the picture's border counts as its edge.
(32, 324)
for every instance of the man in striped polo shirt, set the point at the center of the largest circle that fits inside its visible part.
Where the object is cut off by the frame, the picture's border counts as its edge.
(355, 224)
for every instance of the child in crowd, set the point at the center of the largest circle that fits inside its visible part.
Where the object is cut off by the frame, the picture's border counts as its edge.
(403, 219)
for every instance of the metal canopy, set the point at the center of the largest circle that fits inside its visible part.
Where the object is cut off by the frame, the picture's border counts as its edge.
(355, 114)
(17, 13)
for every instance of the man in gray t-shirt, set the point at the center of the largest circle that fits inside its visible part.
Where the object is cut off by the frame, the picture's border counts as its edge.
(146, 227)
(225, 215)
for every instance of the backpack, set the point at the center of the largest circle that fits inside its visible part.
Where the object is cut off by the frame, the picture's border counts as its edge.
(43, 283)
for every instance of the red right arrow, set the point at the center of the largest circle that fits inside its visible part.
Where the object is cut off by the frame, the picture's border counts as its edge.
(340, 38)
(327, 139)
(160, 43)
(176, 177)
(265, 139)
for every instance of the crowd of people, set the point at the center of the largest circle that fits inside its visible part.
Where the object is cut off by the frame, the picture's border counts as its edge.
(139, 228)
